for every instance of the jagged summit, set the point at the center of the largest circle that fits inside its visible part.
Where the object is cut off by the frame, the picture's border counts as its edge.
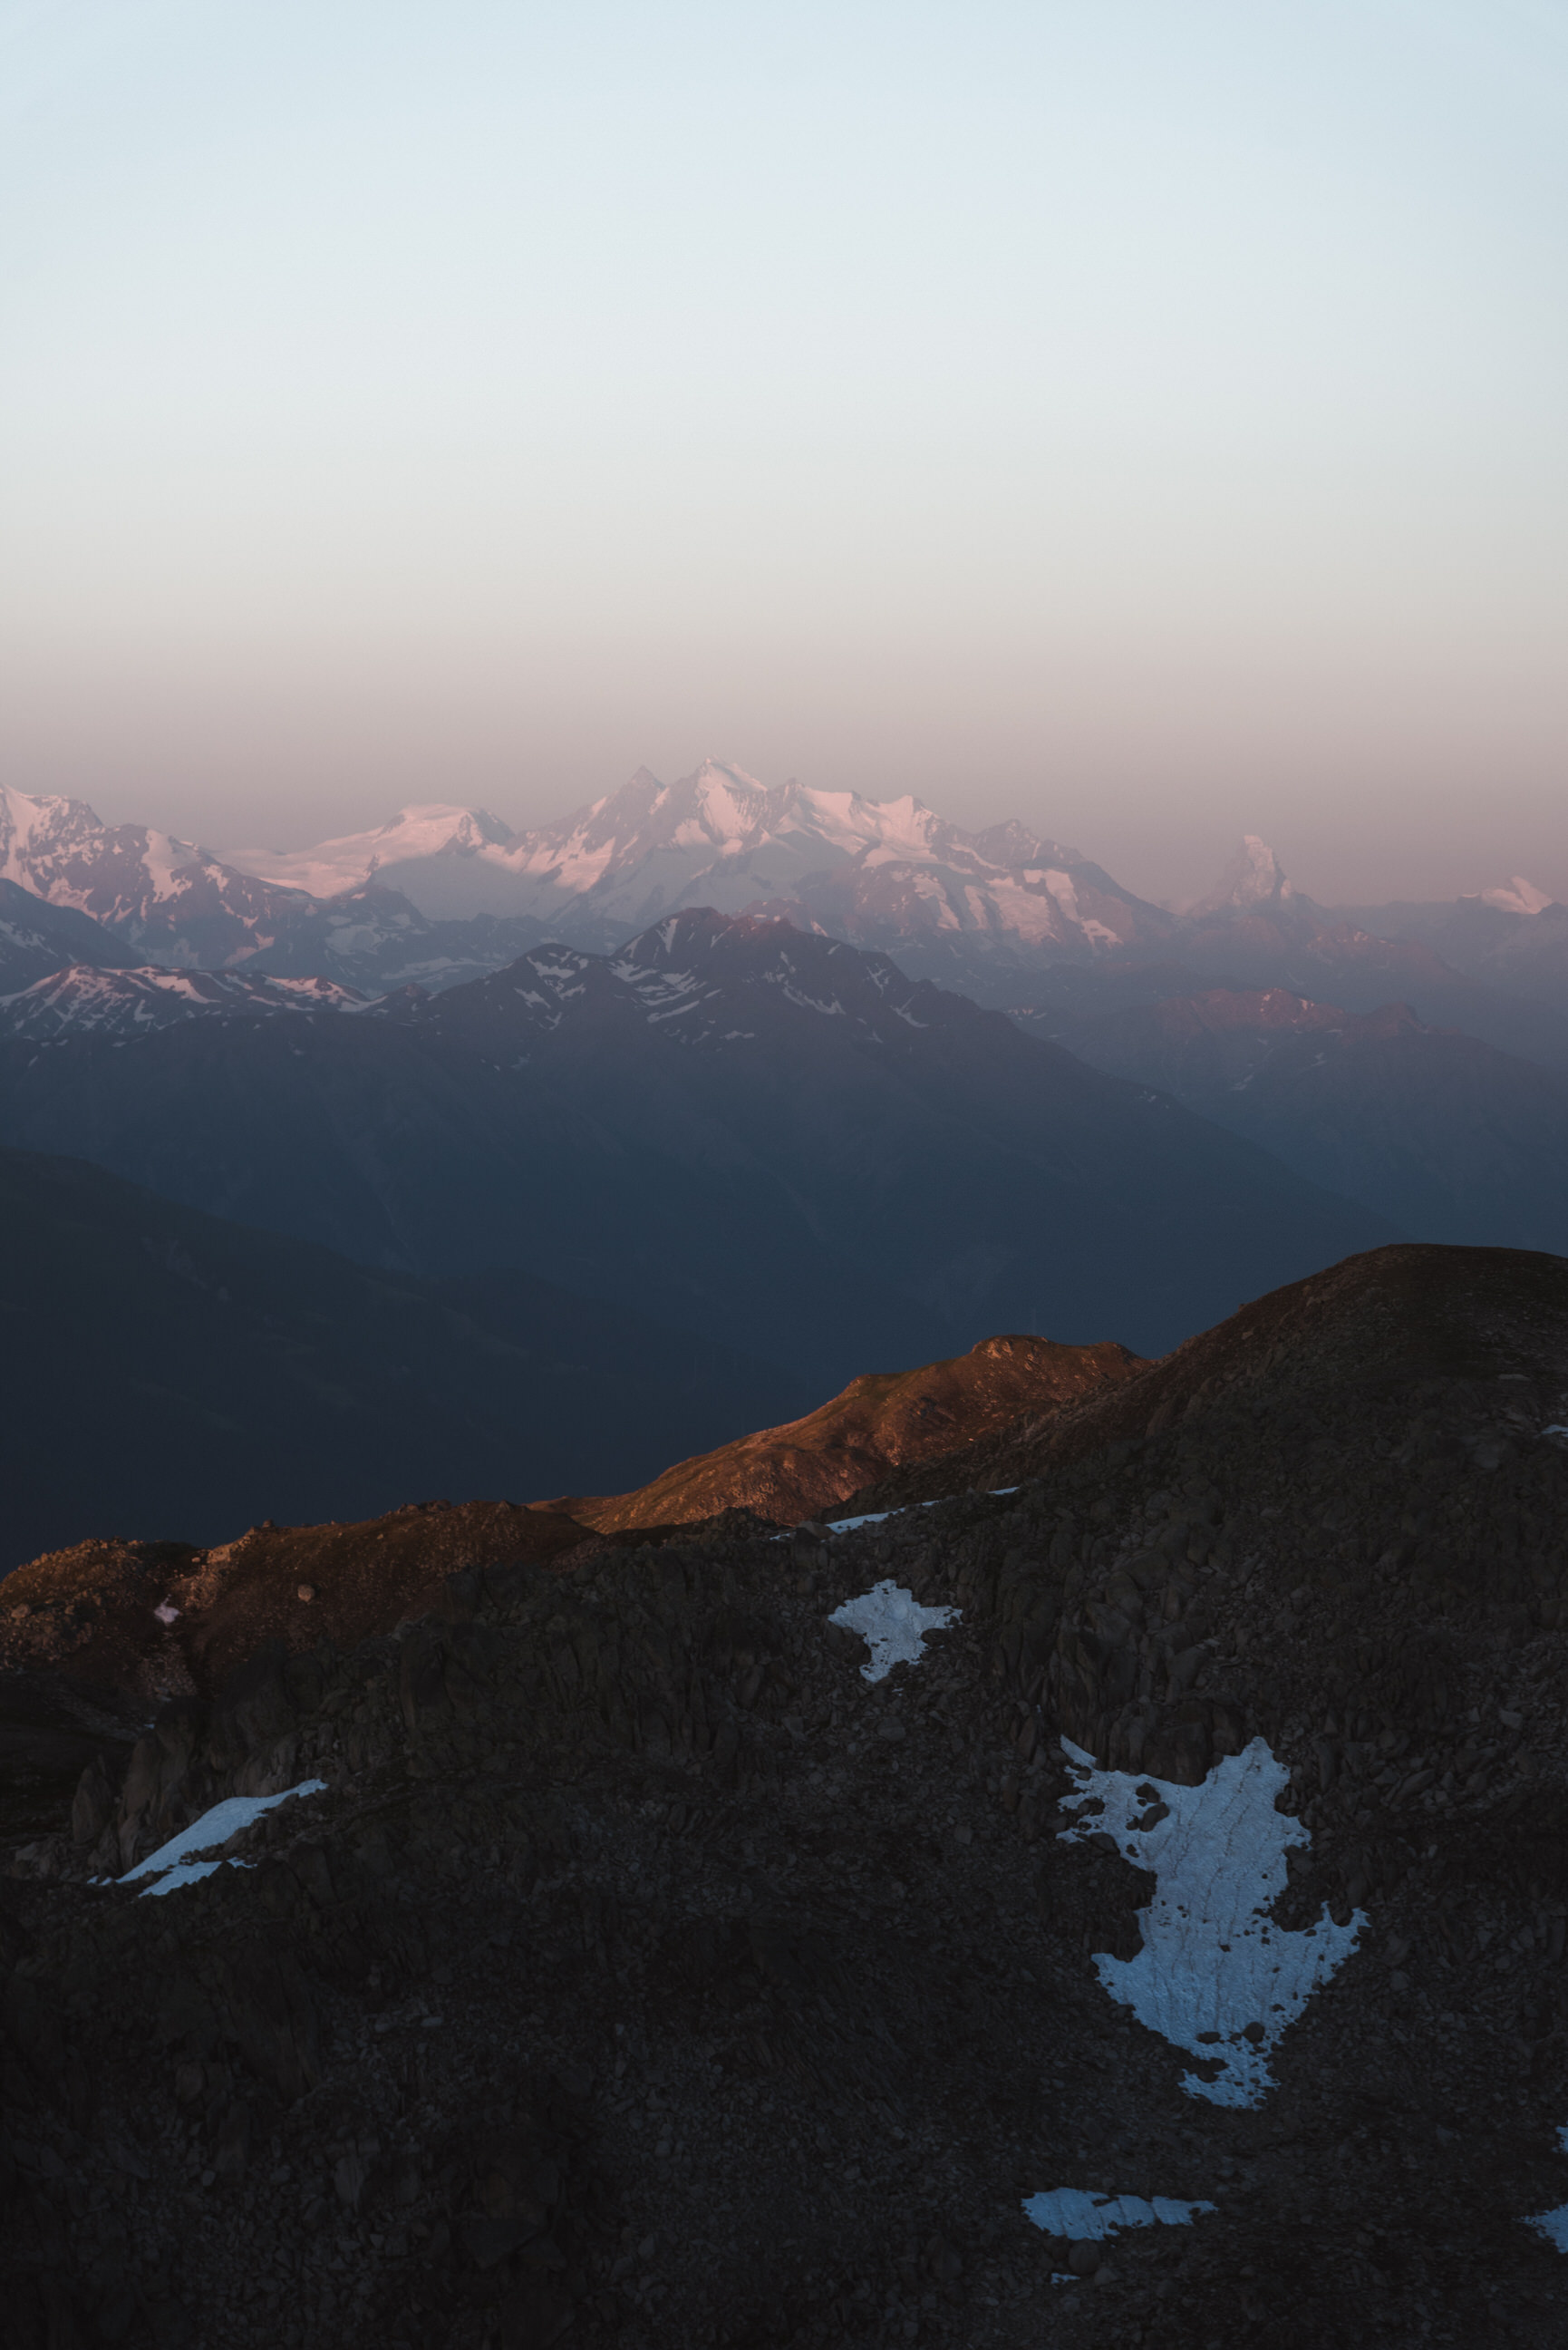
(1253, 877)
(870, 870)
(172, 898)
(424, 828)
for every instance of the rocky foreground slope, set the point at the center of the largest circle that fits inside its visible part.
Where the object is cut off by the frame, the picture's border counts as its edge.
(639, 1970)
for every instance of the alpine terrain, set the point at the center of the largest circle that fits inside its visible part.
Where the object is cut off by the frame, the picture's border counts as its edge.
(627, 1126)
(1107, 1884)
(441, 892)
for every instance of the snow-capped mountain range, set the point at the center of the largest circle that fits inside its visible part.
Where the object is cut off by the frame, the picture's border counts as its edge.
(863, 868)
(76, 890)
(441, 893)
(176, 901)
(978, 910)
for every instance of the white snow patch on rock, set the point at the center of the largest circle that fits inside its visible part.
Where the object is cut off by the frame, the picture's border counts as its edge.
(189, 1872)
(880, 1517)
(173, 1863)
(1215, 1976)
(893, 1624)
(1074, 2212)
(1553, 2225)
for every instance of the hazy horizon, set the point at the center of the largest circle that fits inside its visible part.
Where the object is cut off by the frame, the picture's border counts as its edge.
(1145, 423)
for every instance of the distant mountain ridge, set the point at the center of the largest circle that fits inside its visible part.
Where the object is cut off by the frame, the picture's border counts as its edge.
(718, 838)
(37, 939)
(1002, 914)
(728, 1124)
(129, 894)
(84, 1000)
(441, 893)
(1448, 1137)
(1438, 1134)
(189, 1375)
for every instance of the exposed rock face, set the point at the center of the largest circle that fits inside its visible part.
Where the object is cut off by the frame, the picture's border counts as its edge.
(881, 1422)
(156, 1619)
(644, 1975)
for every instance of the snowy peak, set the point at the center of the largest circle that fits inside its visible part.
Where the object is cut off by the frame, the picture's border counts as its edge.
(1253, 877)
(1517, 896)
(725, 803)
(172, 899)
(1012, 845)
(886, 873)
(422, 829)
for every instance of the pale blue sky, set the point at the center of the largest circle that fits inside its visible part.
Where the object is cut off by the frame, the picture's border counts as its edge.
(1144, 418)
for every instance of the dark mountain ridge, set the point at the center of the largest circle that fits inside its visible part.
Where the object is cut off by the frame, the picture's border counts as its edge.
(173, 1372)
(882, 1421)
(1449, 1138)
(725, 1125)
(37, 939)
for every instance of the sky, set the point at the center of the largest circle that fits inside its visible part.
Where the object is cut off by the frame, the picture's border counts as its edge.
(1147, 421)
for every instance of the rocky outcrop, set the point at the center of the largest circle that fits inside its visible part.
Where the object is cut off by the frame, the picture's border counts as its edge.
(642, 1973)
(160, 1619)
(883, 1421)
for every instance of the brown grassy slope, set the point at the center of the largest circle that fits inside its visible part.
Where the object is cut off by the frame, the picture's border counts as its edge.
(1389, 1318)
(883, 1421)
(90, 1612)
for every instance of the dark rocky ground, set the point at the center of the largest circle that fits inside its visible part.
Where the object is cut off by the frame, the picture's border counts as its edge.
(644, 1977)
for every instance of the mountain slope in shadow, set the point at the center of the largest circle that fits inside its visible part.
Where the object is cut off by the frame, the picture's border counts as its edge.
(182, 1376)
(1448, 1137)
(728, 1128)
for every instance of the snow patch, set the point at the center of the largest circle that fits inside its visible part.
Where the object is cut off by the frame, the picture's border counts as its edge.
(880, 1517)
(1215, 1976)
(893, 1624)
(1553, 2225)
(1074, 2212)
(1517, 896)
(172, 1863)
